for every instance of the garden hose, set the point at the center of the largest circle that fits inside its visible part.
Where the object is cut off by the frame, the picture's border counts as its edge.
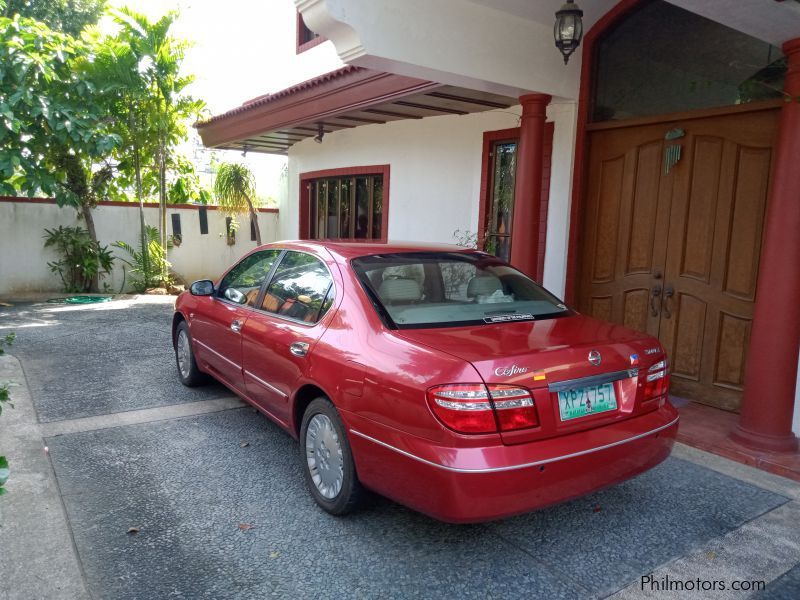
(79, 300)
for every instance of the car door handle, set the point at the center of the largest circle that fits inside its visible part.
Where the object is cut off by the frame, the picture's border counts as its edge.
(236, 325)
(298, 348)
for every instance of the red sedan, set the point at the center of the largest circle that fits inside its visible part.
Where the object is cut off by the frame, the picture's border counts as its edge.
(438, 376)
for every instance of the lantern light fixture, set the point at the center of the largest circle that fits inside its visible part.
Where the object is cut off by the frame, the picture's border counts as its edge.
(320, 133)
(568, 29)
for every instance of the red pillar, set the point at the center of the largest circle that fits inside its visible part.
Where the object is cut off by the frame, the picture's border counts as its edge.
(765, 421)
(528, 186)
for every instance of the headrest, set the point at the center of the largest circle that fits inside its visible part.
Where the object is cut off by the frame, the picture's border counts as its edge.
(400, 290)
(483, 285)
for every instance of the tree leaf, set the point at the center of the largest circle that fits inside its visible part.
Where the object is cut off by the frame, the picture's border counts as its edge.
(4, 470)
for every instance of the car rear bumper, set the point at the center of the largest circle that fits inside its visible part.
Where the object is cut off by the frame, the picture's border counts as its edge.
(463, 485)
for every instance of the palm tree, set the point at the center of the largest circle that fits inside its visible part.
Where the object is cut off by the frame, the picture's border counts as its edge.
(235, 189)
(160, 56)
(115, 67)
(144, 60)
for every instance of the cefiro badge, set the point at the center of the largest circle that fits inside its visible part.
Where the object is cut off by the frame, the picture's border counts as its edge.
(509, 371)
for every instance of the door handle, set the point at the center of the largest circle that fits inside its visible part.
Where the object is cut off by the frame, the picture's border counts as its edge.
(298, 348)
(655, 293)
(236, 325)
(668, 293)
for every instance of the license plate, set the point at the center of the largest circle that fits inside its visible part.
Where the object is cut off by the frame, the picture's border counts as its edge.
(585, 401)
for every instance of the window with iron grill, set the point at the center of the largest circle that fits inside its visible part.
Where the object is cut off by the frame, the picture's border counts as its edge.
(346, 207)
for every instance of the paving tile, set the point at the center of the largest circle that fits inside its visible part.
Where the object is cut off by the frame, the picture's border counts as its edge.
(640, 524)
(105, 359)
(786, 587)
(187, 484)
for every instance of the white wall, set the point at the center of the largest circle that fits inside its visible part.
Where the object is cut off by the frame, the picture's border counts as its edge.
(503, 46)
(435, 175)
(456, 42)
(435, 170)
(565, 117)
(23, 258)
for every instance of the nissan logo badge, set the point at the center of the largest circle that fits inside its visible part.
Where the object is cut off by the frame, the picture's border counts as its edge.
(594, 357)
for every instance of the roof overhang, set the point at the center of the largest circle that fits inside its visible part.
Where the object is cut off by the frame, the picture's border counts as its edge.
(342, 99)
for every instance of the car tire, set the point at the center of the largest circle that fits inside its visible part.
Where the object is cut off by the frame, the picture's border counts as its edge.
(188, 371)
(328, 466)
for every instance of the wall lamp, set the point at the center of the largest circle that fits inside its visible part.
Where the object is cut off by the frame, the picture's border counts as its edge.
(320, 133)
(568, 29)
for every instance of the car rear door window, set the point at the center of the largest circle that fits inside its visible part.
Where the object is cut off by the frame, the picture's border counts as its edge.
(243, 282)
(301, 289)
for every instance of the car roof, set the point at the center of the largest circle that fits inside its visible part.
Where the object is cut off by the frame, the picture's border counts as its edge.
(348, 250)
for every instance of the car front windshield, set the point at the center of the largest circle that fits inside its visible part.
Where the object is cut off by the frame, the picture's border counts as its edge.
(441, 289)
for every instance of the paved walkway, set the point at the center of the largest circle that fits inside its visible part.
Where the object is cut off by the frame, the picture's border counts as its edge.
(151, 490)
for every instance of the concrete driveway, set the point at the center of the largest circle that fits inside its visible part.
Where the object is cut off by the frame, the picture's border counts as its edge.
(151, 490)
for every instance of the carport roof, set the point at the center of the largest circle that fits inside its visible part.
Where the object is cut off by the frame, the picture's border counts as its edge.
(341, 99)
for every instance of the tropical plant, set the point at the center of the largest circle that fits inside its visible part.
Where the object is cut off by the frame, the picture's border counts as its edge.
(184, 185)
(141, 63)
(82, 259)
(4, 474)
(66, 16)
(169, 108)
(5, 396)
(55, 127)
(76, 115)
(235, 190)
(466, 238)
(7, 340)
(48, 108)
(148, 263)
(469, 239)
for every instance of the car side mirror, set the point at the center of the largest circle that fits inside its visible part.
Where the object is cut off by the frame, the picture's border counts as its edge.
(204, 287)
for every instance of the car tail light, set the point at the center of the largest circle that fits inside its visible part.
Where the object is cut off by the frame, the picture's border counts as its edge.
(476, 408)
(656, 380)
(463, 407)
(514, 407)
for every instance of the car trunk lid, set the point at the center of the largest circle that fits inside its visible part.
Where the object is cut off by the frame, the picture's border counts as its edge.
(549, 356)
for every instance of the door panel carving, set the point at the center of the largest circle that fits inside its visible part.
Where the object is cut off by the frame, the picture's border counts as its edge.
(702, 208)
(644, 209)
(690, 329)
(608, 219)
(734, 334)
(676, 254)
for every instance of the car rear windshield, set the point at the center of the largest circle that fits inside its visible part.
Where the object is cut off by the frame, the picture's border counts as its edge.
(449, 289)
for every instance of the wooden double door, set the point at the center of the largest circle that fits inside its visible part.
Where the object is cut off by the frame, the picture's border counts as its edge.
(671, 240)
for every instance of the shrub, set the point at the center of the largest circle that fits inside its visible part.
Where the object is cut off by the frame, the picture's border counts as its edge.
(147, 264)
(81, 257)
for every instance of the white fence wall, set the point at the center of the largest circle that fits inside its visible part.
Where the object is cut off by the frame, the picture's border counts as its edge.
(23, 257)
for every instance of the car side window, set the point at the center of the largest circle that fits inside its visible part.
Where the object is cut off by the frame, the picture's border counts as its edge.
(301, 288)
(243, 282)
